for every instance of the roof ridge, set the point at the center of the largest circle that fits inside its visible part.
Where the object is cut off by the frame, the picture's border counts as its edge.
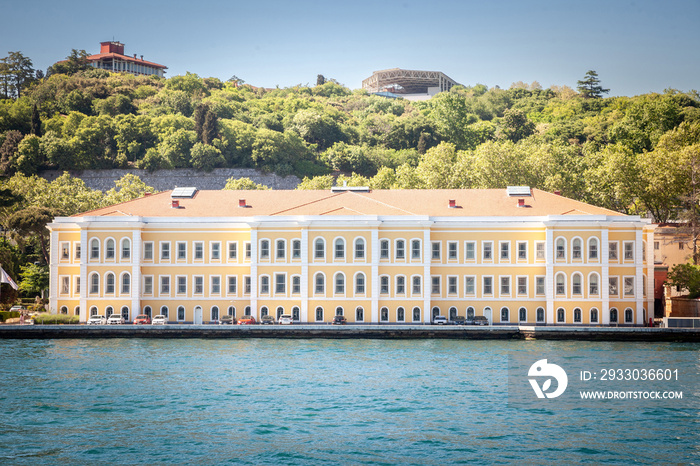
(383, 203)
(307, 203)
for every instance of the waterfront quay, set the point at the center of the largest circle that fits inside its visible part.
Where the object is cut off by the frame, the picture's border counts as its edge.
(309, 331)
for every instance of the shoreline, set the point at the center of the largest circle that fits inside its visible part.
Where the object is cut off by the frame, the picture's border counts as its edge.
(311, 331)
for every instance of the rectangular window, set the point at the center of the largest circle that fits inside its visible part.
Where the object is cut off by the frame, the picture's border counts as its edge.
(539, 250)
(384, 284)
(215, 285)
(415, 289)
(65, 285)
(198, 251)
(232, 285)
(487, 287)
(435, 250)
(452, 285)
(296, 249)
(629, 286)
(264, 284)
(247, 284)
(296, 284)
(400, 285)
(165, 251)
(505, 250)
(452, 253)
(505, 286)
(215, 250)
(488, 250)
(280, 283)
(656, 245)
(248, 250)
(181, 251)
(281, 250)
(593, 249)
(148, 284)
(522, 286)
(77, 251)
(435, 285)
(629, 250)
(198, 284)
(232, 251)
(470, 250)
(522, 250)
(613, 286)
(181, 285)
(165, 285)
(540, 286)
(77, 285)
(148, 251)
(415, 249)
(612, 251)
(470, 285)
(384, 249)
(65, 251)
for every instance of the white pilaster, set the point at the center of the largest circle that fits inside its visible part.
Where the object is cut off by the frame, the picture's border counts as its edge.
(374, 279)
(84, 285)
(549, 274)
(254, 270)
(304, 311)
(605, 277)
(53, 268)
(426, 274)
(639, 276)
(136, 245)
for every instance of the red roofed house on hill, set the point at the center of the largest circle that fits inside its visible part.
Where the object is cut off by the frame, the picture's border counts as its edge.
(112, 58)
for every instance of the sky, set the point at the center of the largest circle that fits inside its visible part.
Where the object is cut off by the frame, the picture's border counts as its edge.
(636, 47)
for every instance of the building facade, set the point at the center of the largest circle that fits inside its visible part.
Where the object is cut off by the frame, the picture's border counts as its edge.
(516, 256)
(112, 58)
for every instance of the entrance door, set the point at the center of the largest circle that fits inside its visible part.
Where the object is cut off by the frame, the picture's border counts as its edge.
(487, 314)
(198, 315)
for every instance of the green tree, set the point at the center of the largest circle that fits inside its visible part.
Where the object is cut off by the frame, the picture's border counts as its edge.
(589, 87)
(31, 222)
(320, 80)
(75, 62)
(205, 157)
(515, 126)
(322, 182)
(19, 73)
(686, 277)
(234, 184)
(28, 155)
(36, 121)
(127, 188)
(34, 279)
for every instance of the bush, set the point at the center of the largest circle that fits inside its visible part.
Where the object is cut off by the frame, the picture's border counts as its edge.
(4, 315)
(55, 319)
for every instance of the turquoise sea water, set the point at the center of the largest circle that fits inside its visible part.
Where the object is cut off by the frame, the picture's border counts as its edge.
(141, 401)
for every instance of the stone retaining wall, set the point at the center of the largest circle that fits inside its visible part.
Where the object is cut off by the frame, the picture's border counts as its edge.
(163, 180)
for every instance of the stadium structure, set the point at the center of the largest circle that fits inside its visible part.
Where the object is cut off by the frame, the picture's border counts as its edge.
(410, 84)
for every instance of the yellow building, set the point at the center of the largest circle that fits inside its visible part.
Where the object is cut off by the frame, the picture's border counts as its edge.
(516, 256)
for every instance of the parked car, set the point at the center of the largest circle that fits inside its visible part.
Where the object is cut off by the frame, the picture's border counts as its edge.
(267, 319)
(97, 320)
(142, 319)
(227, 320)
(18, 308)
(459, 320)
(285, 319)
(339, 320)
(480, 320)
(115, 319)
(246, 320)
(439, 320)
(160, 319)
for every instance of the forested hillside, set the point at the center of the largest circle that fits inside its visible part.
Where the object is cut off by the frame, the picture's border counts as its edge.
(631, 154)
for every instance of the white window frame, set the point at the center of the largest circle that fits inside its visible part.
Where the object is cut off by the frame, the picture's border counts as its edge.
(526, 284)
(470, 285)
(505, 280)
(540, 251)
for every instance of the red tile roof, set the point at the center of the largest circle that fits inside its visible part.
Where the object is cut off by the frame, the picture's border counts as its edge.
(99, 56)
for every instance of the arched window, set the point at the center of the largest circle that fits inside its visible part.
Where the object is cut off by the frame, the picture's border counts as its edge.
(339, 281)
(125, 248)
(280, 311)
(522, 314)
(109, 283)
(109, 310)
(576, 288)
(319, 314)
(470, 313)
(147, 310)
(164, 311)
(264, 284)
(231, 311)
(436, 312)
(613, 316)
(94, 248)
(400, 314)
(560, 284)
(400, 249)
(360, 283)
(319, 283)
(416, 314)
(629, 316)
(125, 284)
(295, 314)
(281, 249)
(93, 311)
(415, 249)
(339, 249)
(577, 315)
(76, 311)
(264, 249)
(593, 280)
(359, 248)
(263, 311)
(593, 249)
(384, 314)
(561, 315)
(246, 311)
(453, 313)
(109, 249)
(560, 248)
(125, 312)
(339, 311)
(181, 313)
(384, 249)
(505, 314)
(576, 248)
(215, 313)
(539, 314)
(359, 315)
(64, 310)
(594, 315)
(319, 248)
(400, 284)
(416, 285)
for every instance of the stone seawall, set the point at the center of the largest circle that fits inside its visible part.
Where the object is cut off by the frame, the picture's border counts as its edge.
(352, 331)
(163, 180)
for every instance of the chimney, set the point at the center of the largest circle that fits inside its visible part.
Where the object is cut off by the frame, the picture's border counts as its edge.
(134, 55)
(452, 203)
(175, 204)
(557, 192)
(241, 203)
(521, 202)
(141, 57)
(147, 193)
